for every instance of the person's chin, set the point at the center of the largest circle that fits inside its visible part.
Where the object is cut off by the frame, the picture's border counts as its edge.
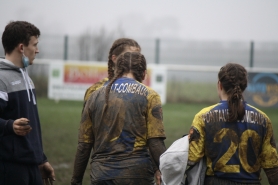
(31, 62)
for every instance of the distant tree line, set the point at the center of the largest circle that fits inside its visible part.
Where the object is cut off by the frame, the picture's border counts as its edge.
(94, 46)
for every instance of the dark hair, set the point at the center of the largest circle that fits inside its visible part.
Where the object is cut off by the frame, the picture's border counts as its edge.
(133, 62)
(117, 48)
(17, 32)
(233, 78)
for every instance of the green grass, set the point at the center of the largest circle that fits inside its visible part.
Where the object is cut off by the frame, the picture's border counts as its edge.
(193, 92)
(60, 122)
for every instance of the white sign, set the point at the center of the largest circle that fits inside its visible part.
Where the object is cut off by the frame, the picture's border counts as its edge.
(70, 80)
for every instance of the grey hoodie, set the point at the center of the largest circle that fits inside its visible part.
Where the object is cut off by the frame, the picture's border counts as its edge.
(18, 100)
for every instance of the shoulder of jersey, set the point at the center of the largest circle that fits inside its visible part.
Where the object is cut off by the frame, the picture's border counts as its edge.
(151, 91)
(95, 87)
(207, 109)
(258, 110)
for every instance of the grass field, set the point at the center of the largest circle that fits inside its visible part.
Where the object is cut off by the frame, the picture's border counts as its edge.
(60, 122)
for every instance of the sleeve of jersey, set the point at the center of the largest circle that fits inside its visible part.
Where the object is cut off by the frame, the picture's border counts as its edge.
(155, 117)
(269, 156)
(197, 139)
(85, 129)
(6, 126)
(93, 88)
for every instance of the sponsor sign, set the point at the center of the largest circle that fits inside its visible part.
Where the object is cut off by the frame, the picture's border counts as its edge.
(70, 80)
(262, 89)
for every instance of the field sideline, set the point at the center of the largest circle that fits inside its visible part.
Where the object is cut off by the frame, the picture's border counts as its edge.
(60, 122)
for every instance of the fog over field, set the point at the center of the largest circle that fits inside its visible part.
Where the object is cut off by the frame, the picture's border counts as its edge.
(227, 20)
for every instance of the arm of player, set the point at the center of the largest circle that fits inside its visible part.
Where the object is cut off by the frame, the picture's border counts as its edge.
(85, 145)
(196, 140)
(81, 160)
(156, 147)
(155, 134)
(155, 168)
(272, 175)
(269, 156)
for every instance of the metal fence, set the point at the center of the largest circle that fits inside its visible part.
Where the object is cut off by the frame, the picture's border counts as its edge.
(168, 51)
(183, 86)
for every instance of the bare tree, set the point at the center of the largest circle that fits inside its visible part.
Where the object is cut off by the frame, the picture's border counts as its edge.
(101, 42)
(85, 46)
(95, 46)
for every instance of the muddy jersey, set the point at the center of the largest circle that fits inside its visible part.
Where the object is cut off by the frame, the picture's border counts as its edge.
(119, 132)
(94, 87)
(234, 151)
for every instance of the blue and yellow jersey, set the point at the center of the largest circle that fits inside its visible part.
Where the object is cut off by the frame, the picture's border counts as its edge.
(94, 87)
(119, 132)
(234, 151)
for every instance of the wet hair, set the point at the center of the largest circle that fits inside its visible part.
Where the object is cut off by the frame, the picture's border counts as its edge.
(133, 62)
(17, 32)
(118, 47)
(233, 78)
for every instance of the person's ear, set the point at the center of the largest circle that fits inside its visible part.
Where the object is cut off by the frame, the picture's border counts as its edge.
(113, 58)
(20, 48)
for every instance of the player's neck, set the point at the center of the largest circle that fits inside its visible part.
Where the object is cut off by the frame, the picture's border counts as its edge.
(128, 75)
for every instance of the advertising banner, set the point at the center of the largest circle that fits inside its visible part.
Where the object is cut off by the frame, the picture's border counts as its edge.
(70, 80)
(262, 89)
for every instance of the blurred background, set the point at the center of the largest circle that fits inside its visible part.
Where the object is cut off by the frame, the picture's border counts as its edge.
(202, 33)
(193, 38)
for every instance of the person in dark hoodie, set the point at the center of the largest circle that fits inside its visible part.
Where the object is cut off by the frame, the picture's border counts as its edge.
(22, 160)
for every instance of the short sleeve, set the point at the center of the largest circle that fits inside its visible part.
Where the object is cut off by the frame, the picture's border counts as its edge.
(197, 139)
(155, 117)
(269, 156)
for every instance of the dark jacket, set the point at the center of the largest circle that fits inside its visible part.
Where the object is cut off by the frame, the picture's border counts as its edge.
(18, 100)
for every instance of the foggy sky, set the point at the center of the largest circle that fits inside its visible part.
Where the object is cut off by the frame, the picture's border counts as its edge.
(226, 20)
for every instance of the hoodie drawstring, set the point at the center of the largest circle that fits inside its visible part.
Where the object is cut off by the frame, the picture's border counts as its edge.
(28, 84)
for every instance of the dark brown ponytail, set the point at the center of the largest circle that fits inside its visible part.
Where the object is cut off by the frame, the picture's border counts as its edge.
(233, 78)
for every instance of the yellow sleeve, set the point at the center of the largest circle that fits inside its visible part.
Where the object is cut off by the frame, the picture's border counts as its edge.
(197, 139)
(197, 136)
(269, 156)
(154, 116)
(93, 88)
(85, 128)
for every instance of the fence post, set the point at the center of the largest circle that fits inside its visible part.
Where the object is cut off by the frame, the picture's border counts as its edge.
(157, 48)
(251, 54)
(66, 38)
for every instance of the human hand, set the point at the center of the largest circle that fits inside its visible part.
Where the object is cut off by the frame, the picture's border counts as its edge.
(21, 127)
(157, 176)
(47, 173)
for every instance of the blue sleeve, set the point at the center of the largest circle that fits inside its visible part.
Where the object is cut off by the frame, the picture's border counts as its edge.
(44, 159)
(6, 126)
